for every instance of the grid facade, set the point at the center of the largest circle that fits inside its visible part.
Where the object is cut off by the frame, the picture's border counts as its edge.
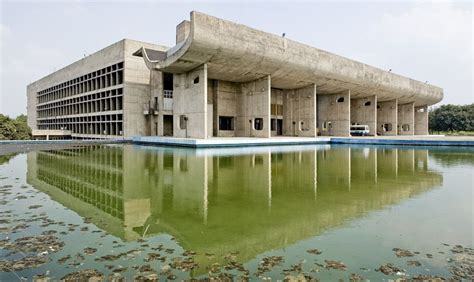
(91, 174)
(91, 104)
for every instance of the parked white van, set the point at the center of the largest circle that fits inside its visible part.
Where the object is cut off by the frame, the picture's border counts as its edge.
(359, 130)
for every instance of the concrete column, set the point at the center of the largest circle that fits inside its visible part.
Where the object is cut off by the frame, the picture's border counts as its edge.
(364, 112)
(387, 118)
(421, 120)
(299, 114)
(190, 104)
(406, 119)
(156, 87)
(334, 114)
(254, 109)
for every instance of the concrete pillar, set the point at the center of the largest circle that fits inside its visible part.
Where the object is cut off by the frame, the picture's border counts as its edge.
(406, 119)
(421, 120)
(387, 118)
(364, 112)
(334, 114)
(190, 104)
(299, 112)
(253, 114)
(156, 87)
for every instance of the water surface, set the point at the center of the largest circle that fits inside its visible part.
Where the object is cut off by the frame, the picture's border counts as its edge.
(149, 205)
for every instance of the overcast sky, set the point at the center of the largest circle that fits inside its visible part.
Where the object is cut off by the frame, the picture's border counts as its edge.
(427, 41)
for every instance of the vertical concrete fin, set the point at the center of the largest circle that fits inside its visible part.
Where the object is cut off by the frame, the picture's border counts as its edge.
(421, 120)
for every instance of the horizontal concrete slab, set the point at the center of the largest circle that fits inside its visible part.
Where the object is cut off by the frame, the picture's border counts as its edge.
(406, 140)
(250, 141)
(227, 142)
(247, 141)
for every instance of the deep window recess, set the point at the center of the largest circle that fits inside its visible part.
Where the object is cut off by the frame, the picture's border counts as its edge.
(368, 103)
(226, 123)
(196, 80)
(387, 127)
(167, 81)
(405, 127)
(340, 100)
(258, 124)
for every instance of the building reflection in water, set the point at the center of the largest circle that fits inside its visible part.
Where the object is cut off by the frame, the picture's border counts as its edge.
(222, 200)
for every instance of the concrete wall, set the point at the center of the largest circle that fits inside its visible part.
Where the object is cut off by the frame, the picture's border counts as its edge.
(299, 112)
(337, 113)
(225, 104)
(254, 103)
(364, 111)
(190, 100)
(137, 92)
(406, 116)
(421, 120)
(387, 113)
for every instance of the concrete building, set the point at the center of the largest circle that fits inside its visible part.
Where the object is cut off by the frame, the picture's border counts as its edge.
(223, 79)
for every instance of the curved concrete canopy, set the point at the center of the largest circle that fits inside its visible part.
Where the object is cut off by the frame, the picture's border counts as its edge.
(238, 53)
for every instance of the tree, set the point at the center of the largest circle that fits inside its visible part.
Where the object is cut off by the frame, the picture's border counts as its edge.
(14, 129)
(452, 118)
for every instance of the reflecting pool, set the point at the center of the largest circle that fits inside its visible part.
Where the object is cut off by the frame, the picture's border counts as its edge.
(324, 212)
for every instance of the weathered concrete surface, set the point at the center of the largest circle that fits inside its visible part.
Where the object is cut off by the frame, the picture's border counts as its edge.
(406, 119)
(387, 118)
(299, 112)
(225, 104)
(190, 101)
(136, 86)
(254, 103)
(334, 114)
(47, 133)
(421, 120)
(364, 111)
(238, 53)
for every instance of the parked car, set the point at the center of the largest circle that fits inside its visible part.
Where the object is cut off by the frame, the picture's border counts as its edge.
(359, 130)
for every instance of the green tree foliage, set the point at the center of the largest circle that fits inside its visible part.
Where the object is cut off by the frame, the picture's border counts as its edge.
(452, 118)
(14, 129)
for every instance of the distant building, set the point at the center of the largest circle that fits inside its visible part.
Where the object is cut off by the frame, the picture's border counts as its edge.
(224, 79)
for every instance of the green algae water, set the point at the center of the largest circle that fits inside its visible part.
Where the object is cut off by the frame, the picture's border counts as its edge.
(321, 212)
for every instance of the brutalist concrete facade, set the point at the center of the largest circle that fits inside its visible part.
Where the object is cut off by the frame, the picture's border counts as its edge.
(226, 80)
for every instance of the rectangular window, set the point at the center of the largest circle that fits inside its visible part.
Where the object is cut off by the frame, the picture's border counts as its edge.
(226, 123)
(273, 123)
(258, 124)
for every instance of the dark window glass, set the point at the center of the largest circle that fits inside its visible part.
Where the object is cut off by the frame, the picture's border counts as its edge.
(226, 123)
(258, 124)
